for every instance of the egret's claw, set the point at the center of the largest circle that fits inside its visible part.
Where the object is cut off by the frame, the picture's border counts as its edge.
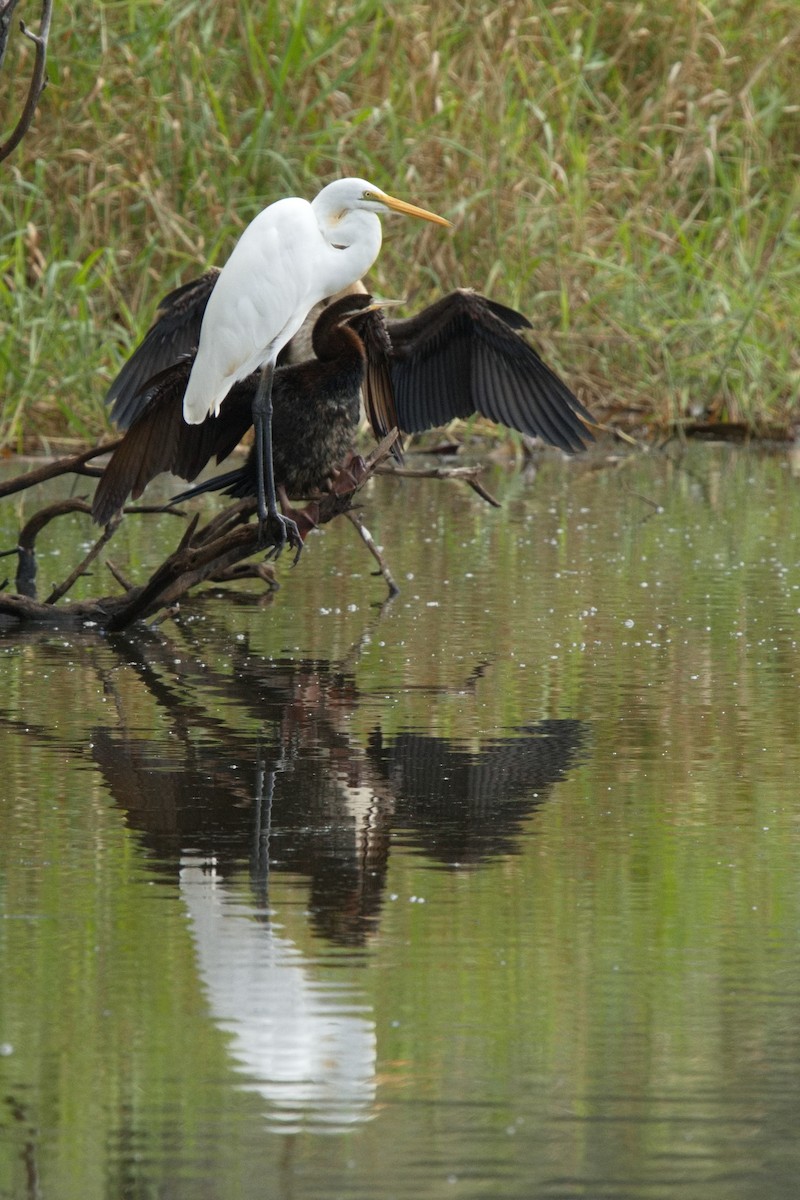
(279, 531)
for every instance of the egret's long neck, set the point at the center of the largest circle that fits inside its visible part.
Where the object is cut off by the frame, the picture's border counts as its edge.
(355, 241)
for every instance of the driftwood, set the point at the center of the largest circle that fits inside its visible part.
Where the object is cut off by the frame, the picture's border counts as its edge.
(215, 552)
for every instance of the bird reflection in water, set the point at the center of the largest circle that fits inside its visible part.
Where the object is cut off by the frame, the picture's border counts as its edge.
(319, 804)
(307, 1044)
(337, 798)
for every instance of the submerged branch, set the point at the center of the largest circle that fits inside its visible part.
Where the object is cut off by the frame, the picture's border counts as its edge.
(221, 549)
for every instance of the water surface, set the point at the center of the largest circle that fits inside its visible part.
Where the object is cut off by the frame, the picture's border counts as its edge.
(490, 891)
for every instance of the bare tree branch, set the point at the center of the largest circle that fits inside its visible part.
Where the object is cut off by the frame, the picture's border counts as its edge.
(375, 550)
(6, 13)
(38, 78)
(74, 463)
(204, 553)
(467, 475)
(212, 552)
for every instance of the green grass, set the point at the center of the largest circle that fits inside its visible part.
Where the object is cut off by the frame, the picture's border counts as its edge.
(624, 173)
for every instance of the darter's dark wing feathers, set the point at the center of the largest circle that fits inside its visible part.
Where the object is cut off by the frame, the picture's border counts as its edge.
(464, 355)
(174, 333)
(160, 440)
(377, 389)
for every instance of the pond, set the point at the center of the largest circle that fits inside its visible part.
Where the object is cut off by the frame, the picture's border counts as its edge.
(490, 891)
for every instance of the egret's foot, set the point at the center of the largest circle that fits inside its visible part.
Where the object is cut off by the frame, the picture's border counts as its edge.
(279, 531)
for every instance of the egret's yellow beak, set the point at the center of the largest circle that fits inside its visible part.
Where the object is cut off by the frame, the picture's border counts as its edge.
(410, 210)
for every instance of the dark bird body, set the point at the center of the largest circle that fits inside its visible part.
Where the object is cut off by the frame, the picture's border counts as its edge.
(316, 411)
(315, 417)
(462, 355)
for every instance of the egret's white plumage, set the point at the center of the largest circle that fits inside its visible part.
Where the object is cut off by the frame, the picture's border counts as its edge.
(291, 256)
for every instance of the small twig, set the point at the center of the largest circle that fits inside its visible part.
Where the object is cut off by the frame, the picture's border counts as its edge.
(38, 79)
(374, 550)
(478, 487)
(71, 579)
(430, 472)
(137, 510)
(467, 475)
(120, 578)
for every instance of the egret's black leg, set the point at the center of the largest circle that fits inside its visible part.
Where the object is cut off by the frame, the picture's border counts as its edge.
(284, 528)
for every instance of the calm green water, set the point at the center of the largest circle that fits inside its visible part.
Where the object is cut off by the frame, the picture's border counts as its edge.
(492, 892)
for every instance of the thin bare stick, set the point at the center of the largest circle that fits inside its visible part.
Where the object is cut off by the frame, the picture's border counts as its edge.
(138, 510)
(372, 546)
(120, 578)
(481, 491)
(38, 80)
(468, 475)
(72, 578)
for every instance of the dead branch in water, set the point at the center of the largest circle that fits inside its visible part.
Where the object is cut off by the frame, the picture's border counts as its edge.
(211, 552)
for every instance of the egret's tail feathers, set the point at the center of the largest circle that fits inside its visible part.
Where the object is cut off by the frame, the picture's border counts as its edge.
(196, 406)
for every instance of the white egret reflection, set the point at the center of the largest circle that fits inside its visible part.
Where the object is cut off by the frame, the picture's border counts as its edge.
(308, 1046)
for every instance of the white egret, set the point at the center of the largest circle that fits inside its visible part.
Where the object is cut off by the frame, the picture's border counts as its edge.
(291, 256)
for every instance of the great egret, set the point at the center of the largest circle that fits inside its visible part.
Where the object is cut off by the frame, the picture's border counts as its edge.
(462, 355)
(292, 255)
